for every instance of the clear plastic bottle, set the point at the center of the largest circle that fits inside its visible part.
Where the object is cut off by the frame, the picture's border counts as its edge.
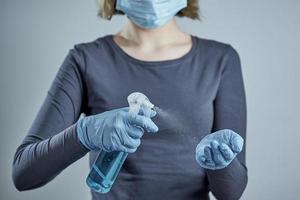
(105, 170)
(107, 165)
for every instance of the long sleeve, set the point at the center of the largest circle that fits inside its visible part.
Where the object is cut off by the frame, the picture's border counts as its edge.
(230, 112)
(51, 143)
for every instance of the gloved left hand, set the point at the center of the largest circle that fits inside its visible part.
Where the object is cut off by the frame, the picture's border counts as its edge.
(218, 149)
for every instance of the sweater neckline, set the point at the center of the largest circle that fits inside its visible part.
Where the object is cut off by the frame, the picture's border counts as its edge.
(180, 59)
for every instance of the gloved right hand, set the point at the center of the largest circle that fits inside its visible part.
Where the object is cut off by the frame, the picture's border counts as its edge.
(115, 130)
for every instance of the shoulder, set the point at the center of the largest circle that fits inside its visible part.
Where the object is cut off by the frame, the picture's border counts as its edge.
(91, 45)
(82, 51)
(216, 48)
(222, 55)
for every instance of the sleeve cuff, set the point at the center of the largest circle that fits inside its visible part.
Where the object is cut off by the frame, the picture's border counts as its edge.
(78, 143)
(234, 169)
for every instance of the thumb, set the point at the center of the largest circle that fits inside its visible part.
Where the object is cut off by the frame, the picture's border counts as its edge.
(236, 143)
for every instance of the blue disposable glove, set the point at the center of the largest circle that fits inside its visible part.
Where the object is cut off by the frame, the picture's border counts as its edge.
(218, 149)
(115, 130)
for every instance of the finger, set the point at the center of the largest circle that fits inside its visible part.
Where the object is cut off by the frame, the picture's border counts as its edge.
(129, 142)
(153, 113)
(236, 143)
(147, 112)
(132, 143)
(202, 158)
(217, 155)
(144, 111)
(135, 132)
(226, 151)
(125, 149)
(115, 143)
(208, 156)
(144, 122)
(128, 150)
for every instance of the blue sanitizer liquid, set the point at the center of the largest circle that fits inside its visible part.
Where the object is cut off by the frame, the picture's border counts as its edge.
(105, 170)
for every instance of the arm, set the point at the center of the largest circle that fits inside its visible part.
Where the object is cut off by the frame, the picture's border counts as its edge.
(51, 143)
(230, 113)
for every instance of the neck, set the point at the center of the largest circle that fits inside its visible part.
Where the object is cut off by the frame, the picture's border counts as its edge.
(152, 38)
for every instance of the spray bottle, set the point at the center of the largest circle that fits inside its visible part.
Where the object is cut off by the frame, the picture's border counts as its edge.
(108, 164)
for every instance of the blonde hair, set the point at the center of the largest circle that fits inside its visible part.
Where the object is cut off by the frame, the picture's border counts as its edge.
(107, 9)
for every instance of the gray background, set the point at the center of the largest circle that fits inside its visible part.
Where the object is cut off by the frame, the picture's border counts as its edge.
(36, 35)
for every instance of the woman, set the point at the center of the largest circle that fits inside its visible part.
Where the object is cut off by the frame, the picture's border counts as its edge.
(199, 81)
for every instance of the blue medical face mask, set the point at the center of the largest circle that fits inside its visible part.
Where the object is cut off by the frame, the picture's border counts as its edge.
(150, 14)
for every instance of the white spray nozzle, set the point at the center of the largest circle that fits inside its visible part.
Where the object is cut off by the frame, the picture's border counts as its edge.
(136, 100)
